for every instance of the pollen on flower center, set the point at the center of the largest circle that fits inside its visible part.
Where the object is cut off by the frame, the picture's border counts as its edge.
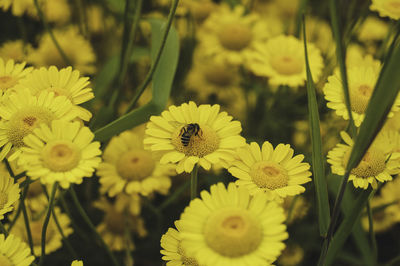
(359, 97)
(233, 232)
(206, 142)
(269, 175)
(61, 156)
(3, 200)
(4, 261)
(235, 36)
(24, 121)
(187, 261)
(135, 165)
(371, 164)
(218, 75)
(287, 65)
(7, 82)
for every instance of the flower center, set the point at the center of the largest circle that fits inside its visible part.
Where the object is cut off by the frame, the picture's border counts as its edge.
(286, 65)
(7, 82)
(233, 232)
(235, 37)
(372, 164)
(219, 75)
(3, 200)
(359, 97)
(61, 155)
(4, 261)
(24, 121)
(135, 165)
(187, 261)
(205, 142)
(115, 222)
(269, 175)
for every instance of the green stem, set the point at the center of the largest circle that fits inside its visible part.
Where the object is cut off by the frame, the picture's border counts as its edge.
(18, 213)
(90, 224)
(46, 222)
(301, 10)
(53, 38)
(149, 76)
(26, 219)
(83, 26)
(372, 233)
(128, 254)
(3, 229)
(193, 182)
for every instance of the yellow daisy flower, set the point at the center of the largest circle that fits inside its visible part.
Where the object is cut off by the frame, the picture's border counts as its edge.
(77, 263)
(128, 202)
(275, 172)
(382, 219)
(14, 252)
(53, 236)
(114, 226)
(66, 82)
(78, 50)
(373, 29)
(18, 7)
(63, 153)
(22, 112)
(9, 194)
(15, 50)
(281, 59)
(378, 164)
(127, 167)
(230, 34)
(386, 8)
(357, 56)
(173, 251)
(11, 73)
(35, 199)
(229, 227)
(298, 206)
(292, 255)
(361, 83)
(175, 133)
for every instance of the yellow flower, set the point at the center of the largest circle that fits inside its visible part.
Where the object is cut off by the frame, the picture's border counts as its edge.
(35, 199)
(66, 82)
(230, 35)
(382, 219)
(386, 8)
(378, 164)
(18, 7)
(361, 83)
(77, 263)
(76, 47)
(274, 172)
(281, 59)
(11, 73)
(22, 112)
(292, 255)
(390, 194)
(173, 251)
(229, 227)
(356, 56)
(127, 167)
(9, 194)
(115, 224)
(211, 138)
(63, 152)
(15, 50)
(14, 252)
(297, 206)
(373, 29)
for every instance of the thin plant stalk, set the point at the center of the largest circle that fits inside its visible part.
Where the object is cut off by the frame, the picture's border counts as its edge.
(193, 182)
(26, 219)
(83, 25)
(372, 233)
(153, 68)
(3, 229)
(46, 222)
(87, 220)
(49, 30)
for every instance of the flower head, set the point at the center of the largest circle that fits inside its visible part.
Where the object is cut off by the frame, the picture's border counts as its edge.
(191, 134)
(274, 172)
(127, 167)
(64, 153)
(229, 227)
(11, 73)
(386, 8)
(378, 164)
(9, 194)
(14, 252)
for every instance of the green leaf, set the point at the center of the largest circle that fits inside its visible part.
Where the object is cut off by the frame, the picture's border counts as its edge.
(382, 99)
(346, 227)
(358, 233)
(106, 76)
(318, 163)
(162, 82)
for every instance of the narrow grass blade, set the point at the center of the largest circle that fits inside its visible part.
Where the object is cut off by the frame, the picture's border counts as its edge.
(318, 168)
(382, 99)
(162, 82)
(346, 228)
(341, 57)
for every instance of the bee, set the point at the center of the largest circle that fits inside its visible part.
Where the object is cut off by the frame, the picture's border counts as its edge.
(188, 131)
